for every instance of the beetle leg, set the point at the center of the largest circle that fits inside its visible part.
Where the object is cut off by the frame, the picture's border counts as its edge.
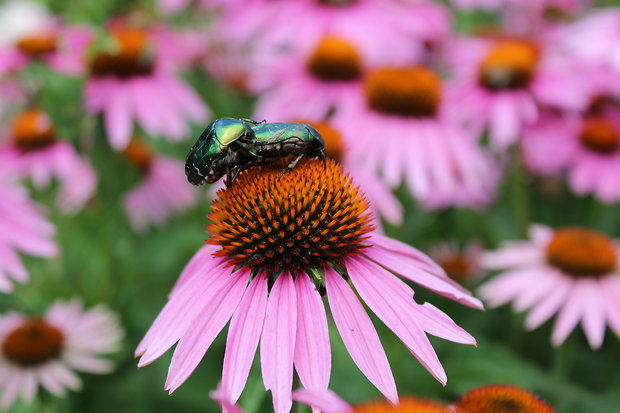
(292, 165)
(231, 176)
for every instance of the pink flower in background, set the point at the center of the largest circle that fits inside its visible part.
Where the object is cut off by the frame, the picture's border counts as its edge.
(60, 47)
(162, 191)
(571, 271)
(45, 351)
(132, 82)
(264, 266)
(12, 94)
(400, 125)
(23, 228)
(504, 80)
(586, 146)
(375, 26)
(309, 84)
(32, 151)
(595, 37)
(462, 265)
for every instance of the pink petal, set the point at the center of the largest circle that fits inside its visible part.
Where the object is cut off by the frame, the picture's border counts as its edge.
(117, 118)
(228, 406)
(611, 292)
(312, 351)
(437, 323)
(324, 400)
(243, 335)
(416, 270)
(359, 335)
(278, 342)
(391, 302)
(550, 305)
(179, 313)
(570, 314)
(594, 320)
(206, 326)
(201, 259)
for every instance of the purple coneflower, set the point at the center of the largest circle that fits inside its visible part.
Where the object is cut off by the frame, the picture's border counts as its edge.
(402, 126)
(133, 81)
(163, 189)
(33, 151)
(571, 271)
(45, 351)
(276, 242)
(24, 229)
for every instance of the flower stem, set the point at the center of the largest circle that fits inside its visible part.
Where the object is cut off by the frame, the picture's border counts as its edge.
(518, 194)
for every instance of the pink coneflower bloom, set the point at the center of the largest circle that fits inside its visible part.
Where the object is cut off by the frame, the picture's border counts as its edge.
(595, 37)
(32, 151)
(47, 350)
(462, 265)
(497, 398)
(504, 80)
(571, 271)
(310, 84)
(376, 26)
(60, 47)
(586, 146)
(401, 126)
(162, 191)
(132, 82)
(23, 228)
(329, 402)
(276, 242)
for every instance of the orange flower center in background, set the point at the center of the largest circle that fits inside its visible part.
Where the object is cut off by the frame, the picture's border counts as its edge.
(32, 129)
(456, 267)
(130, 55)
(335, 59)
(33, 343)
(510, 64)
(334, 146)
(582, 252)
(298, 219)
(139, 153)
(406, 405)
(599, 134)
(501, 399)
(38, 45)
(414, 92)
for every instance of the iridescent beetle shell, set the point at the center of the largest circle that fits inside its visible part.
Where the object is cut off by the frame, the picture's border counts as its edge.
(204, 162)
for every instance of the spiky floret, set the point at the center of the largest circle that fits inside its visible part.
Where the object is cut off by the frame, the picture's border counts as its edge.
(406, 405)
(501, 399)
(302, 219)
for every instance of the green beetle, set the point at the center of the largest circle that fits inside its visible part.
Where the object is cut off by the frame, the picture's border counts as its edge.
(228, 146)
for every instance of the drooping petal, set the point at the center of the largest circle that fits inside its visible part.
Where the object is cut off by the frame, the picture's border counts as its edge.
(570, 314)
(243, 335)
(416, 269)
(359, 335)
(391, 300)
(207, 325)
(324, 400)
(277, 347)
(312, 351)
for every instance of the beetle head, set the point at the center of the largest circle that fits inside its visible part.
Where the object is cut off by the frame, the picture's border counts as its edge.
(205, 162)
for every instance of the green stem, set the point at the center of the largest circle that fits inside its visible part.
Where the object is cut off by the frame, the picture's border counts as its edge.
(519, 195)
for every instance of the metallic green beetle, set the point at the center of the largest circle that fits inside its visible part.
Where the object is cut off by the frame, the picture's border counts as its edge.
(228, 146)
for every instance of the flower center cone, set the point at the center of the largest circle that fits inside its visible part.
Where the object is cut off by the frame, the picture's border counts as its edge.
(335, 59)
(33, 343)
(32, 129)
(599, 134)
(510, 64)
